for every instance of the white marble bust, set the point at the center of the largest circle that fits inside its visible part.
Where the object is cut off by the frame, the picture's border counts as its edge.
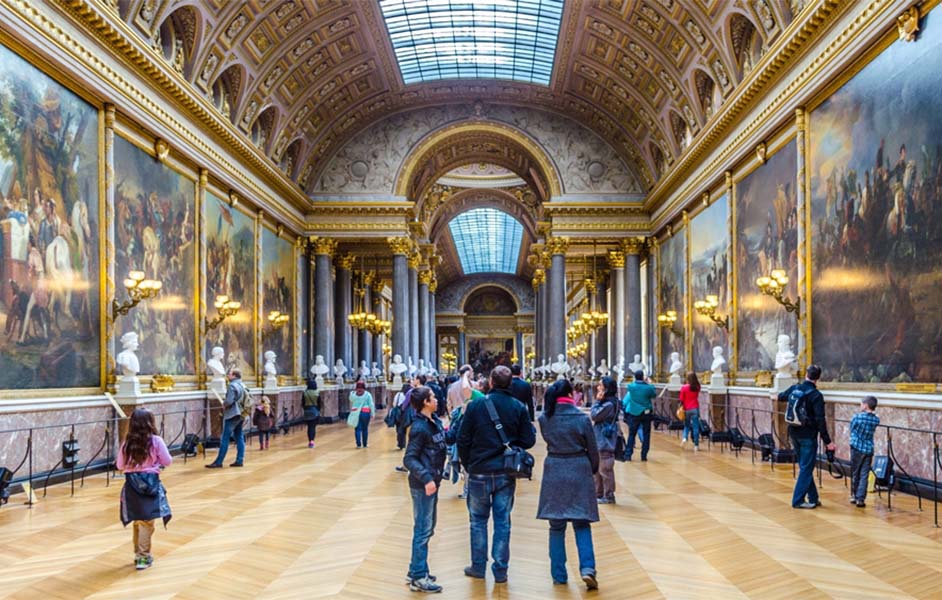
(397, 367)
(543, 369)
(785, 362)
(637, 365)
(319, 369)
(422, 369)
(339, 370)
(719, 363)
(364, 370)
(127, 359)
(271, 371)
(376, 372)
(676, 367)
(560, 367)
(411, 367)
(619, 368)
(602, 370)
(215, 364)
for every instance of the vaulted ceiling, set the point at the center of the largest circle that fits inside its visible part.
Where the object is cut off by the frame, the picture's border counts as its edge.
(300, 77)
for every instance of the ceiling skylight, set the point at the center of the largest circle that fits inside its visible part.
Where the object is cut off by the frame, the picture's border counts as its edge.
(488, 241)
(476, 39)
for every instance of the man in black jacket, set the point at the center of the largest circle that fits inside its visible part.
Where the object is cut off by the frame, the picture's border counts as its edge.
(490, 488)
(425, 460)
(805, 438)
(521, 390)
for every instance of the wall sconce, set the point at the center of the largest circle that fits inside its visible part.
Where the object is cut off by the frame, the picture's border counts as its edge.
(774, 285)
(668, 319)
(225, 308)
(138, 289)
(277, 320)
(708, 308)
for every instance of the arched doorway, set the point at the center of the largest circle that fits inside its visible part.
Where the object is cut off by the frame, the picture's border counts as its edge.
(490, 323)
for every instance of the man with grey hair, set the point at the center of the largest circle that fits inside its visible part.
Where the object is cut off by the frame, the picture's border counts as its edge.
(232, 422)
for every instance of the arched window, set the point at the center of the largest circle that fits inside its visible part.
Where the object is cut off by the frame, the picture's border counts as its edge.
(487, 240)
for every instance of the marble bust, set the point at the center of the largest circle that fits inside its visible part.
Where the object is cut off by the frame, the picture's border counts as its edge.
(271, 371)
(422, 369)
(127, 359)
(542, 369)
(676, 367)
(376, 372)
(785, 362)
(364, 370)
(602, 370)
(410, 367)
(217, 370)
(339, 370)
(637, 364)
(718, 361)
(560, 367)
(397, 368)
(619, 368)
(319, 369)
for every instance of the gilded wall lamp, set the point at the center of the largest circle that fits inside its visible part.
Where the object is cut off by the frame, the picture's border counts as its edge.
(708, 308)
(774, 285)
(277, 320)
(668, 320)
(138, 289)
(225, 308)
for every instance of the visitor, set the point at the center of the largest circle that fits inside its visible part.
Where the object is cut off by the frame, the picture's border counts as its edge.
(425, 460)
(311, 404)
(521, 390)
(804, 437)
(361, 411)
(406, 413)
(442, 409)
(143, 497)
(638, 411)
(605, 415)
(690, 400)
(566, 491)
(264, 420)
(399, 402)
(862, 428)
(577, 394)
(236, 397)
(456, 391)
(490, 488)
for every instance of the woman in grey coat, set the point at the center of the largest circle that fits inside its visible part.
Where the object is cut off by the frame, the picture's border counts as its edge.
(567, 492)
(605, 413)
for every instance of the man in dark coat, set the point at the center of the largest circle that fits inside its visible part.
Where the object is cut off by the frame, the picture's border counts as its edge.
(490, 488)
(521, 390)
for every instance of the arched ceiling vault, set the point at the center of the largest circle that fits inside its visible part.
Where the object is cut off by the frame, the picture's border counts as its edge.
(328, 69)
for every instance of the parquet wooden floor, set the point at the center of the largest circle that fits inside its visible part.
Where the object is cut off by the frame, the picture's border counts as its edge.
(335, 522)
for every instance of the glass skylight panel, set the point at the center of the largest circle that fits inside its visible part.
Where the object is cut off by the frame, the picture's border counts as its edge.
(477, 39)
(487, 240)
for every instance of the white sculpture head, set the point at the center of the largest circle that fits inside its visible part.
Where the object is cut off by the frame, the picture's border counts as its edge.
(397, 359)
(717, 352)
(218, 352)
(318, 360)
(339, 362)
(270, 356)
(675, 356)
(129, 341)
(637, 358)
(362, 363)
(621, 359)
(784, 343)
(560, 358)
(604, 363)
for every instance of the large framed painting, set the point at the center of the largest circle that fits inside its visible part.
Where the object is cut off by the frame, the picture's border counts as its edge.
(230, 271)
(766, 239)
(154, 233)
(49, 236)
(278, 265)
(672, 289)
(709, 274)
(876, 187)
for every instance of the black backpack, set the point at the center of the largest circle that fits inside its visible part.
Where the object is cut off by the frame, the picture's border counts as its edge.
(882, 470)
(796, 411)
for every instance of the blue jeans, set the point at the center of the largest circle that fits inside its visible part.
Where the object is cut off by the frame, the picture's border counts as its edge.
(487, 494)
(642, 422)
(425, 515)
(805, 489)
(692, 425)
(557, 548)
(363, 429)
(231, 427)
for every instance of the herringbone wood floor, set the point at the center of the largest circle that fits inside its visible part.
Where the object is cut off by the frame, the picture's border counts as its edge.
(335, 522)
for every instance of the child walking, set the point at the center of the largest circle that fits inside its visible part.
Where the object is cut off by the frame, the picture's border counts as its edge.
(862, 427)
(143, 497)
(264, 420)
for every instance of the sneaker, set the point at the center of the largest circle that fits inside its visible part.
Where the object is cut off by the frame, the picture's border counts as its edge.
(588, 577)
(500, 578)
(696, 448)
(402, 469)
(310, 444)
(359, 446)
(236, 464)
(603, 500)
(430, 576)
(683, 441)
(861, 504)
(807, 505)
(611, 500)
(143, 562)
(557, 582)
(470, 572)
(213, 466)
(853, 500)
(425, 585)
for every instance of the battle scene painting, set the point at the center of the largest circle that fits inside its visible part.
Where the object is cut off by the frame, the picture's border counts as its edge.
(49, 239)
(230, 271)
(876, 189)
(766, 239)
(672, 287)
(154, 233)
(278, 266)
(709, 272)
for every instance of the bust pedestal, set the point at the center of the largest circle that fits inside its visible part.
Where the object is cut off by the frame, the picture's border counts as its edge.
(674, 383)
(129, 390)
(271, 385)
(397, 382)
(319, 380)
(718, 383)
(218, 385)
(780, 383)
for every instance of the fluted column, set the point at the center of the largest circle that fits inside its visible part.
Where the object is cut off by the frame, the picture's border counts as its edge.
(343, 344)
(433, 328)
(801, 208)
(601, 336)
(377, 308)
(400, 247)
(415, 259)
(365, 345)
(323, 324)
(632, 248)
(424, 277)
(616, 262)
(556, 327)
(537, 282)
(462, 347)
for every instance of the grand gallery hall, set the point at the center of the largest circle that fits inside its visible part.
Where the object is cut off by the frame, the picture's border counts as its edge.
(368, 299)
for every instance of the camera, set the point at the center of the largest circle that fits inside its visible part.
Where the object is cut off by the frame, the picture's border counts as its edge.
(830, 455)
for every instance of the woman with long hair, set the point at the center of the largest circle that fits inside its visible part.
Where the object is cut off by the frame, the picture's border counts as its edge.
(605, 413)
(690, 399)
(143, 497)
(567, 491)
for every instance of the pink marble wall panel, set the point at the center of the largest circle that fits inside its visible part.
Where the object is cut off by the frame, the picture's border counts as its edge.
(170, 418)
(747, 407)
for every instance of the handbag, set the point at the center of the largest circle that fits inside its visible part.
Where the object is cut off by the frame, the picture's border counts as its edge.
(681, 413)
(353, 419)
(518, 463)
(620, 443)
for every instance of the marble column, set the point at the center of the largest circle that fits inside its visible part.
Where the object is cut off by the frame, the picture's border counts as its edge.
(556, 325)
(462, 347)
(601, 336)
(632, 248)
(323, 332)
(343, 344)
(424, 278)
(616, 262)
(400, 247)
(537, 332)
(518, 341)
(377, 308)
(365, 345)
(433, 328)
(413, 262)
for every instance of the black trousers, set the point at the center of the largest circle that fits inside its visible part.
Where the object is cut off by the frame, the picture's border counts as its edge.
(401, 436)
(643, 422)
(311, 430)
(859, 473)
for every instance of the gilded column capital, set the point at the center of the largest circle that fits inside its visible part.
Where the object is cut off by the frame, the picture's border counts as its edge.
(425, 277)
(346, 261)
(557, 245)
(400, 245)
(616, 259)
(414, 260)
(324, 245)
(632, 245)
(433, 285)
(368, 278)
(590, 285)
(539, 276)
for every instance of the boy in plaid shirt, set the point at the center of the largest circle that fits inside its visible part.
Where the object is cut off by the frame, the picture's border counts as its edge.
(862, 427)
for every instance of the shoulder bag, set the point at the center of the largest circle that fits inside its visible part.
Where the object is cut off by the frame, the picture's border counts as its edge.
(518, 463)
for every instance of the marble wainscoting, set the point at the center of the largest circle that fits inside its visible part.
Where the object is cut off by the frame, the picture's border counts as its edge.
(746, 405)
